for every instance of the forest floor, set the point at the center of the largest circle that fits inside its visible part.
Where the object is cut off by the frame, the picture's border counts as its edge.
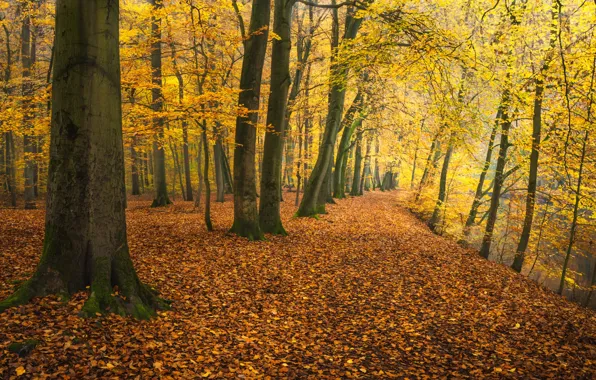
(366, 291)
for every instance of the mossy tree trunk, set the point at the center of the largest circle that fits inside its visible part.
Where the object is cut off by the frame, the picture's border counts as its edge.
(246, 218)
(350, 122)
(159, 152)
(271, 169)
(313, 202)
(85, 240)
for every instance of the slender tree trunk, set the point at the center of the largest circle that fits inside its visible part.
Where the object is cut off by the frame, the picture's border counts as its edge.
(576, 208)
(208, 223)
(28, 110)
(480, 188)
(159, 154)
(219, 170)
(199, 144)
(87, 246)
(352, 120)
(246, 218)
(524, 240)
(434, 220)
(134, 169)
(355, 191)
(505, 123)
(367, 173)
(312, 203)
(269, 206)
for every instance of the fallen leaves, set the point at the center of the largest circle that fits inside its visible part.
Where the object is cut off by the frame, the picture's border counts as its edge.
(372, 295)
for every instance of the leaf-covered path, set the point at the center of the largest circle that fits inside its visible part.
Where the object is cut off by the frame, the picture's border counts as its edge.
(365, 292)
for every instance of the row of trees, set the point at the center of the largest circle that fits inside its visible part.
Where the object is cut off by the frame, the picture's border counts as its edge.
(320, 97)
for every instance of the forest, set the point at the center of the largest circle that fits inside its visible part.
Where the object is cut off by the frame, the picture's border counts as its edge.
(297, 189)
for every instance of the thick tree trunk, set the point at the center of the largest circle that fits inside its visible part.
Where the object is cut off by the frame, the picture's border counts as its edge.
(269, 206)
(85, 235)
(246, 218)
(159, 153)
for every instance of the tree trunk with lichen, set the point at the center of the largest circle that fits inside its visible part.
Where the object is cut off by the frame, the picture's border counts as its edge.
(271, 175)
(85, 240)
(246, 217)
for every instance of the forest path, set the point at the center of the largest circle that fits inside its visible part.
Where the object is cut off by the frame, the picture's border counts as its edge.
(366, 291)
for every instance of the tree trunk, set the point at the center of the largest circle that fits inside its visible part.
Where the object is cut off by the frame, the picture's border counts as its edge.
(312, 203)
(208, 223)
(219, 170)
(367, 173)
(28, 109)
(159, 153)
(246, 218)
(480, 188)
(524, 240)
(505, 123)
(87, 246)
(355, 191)
(269, 206)
(352, 120)
(434, 220)
(134, 169)
(578, 199)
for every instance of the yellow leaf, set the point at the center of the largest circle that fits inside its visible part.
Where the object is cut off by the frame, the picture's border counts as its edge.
(20, 371)
(517, 326)
(206, 374)
(157, 365)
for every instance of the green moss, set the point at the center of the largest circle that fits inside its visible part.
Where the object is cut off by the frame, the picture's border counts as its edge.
(249, 230)
(21, 296)
(23, 348)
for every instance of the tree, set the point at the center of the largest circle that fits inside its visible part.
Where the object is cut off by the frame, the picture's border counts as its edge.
(159, 153)
(269, 206)
(246, 220)
(85, 240)
(316, 191)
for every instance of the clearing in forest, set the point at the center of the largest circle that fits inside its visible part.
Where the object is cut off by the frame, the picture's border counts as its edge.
(366, 291)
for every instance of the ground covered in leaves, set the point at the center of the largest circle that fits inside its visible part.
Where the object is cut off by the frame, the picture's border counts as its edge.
(364, 292)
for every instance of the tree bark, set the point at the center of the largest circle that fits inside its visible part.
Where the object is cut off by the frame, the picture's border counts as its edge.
(505, 123)
(159, 153)
(434, 220)
(312, 203)
(85, 231)
(480, 188)
(269, 206)
(355, 191)
(246, 218)
(27, 91)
